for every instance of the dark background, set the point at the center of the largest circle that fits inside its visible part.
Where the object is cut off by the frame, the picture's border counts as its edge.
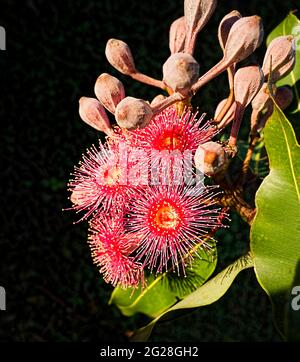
(55, 51)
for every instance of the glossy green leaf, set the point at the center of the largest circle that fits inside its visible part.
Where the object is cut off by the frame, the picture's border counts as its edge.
(290, 26)
(275, 232)
(166, 289)
(207, 294)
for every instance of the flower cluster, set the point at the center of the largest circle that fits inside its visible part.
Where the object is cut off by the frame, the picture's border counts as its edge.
(143, 190)
(148, 206)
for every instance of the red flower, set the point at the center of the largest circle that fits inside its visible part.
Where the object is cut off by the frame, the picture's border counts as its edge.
(168, 131)
(103, 179)
(170, 221)
(110, 250)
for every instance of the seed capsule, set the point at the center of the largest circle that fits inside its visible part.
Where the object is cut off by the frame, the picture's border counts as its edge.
(180, 72)
(133, 113)
(110, 91)
(119, 56)
(177, 35)
(92, 112)
(210, 158)
(281, 53)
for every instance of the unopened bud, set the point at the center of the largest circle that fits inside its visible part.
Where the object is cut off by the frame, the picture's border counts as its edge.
(220, 107)
(262, 107)
(247, 82)
(225, 26)
(283, 97)
(119, 56)
(157, 100)
(210, 158)
(180, 72)
(110, 91)
(228, 116)
(92, 112)
(177, 35)
(197, 14)
(279, 57)
(245, 35)
(259, 102)
(133, 113)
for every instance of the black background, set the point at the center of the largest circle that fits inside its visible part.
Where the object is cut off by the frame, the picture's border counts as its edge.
(55, 51)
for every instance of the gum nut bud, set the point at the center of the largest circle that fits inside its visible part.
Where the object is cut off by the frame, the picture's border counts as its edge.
(210, 158)
(197, 14)
(220, 107)
(280, 52)
(247, 82)
(225, 26)
(180, 72)
(157, 100)
(110, 91)
(92, 112)
(245, 35)
(177, 35)
(284, 97)
(261, 99)
(284, 70)
(119, 56)
(133, 113)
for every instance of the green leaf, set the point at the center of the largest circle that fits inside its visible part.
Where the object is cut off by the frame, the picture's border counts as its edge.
(166, 289)
(275, 232)
(290, 26)
(293, 316)
(207, 294)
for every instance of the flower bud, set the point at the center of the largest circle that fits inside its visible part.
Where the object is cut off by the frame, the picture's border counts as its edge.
(228, 116)
(245, 35)
(197, 14)
(225, 26)
(177, 35)
(210, 158)
(262, 108)
(133, 113)
(110, 91)
(180, 72)
(119, 56)
(220, 107)
(281, 52)
(157, 100)
(92, 112)
(283, 97)
(259, 102)
(284, 70)
(247, 82)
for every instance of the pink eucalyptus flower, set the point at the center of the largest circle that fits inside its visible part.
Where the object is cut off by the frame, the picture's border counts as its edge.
(110, 251)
